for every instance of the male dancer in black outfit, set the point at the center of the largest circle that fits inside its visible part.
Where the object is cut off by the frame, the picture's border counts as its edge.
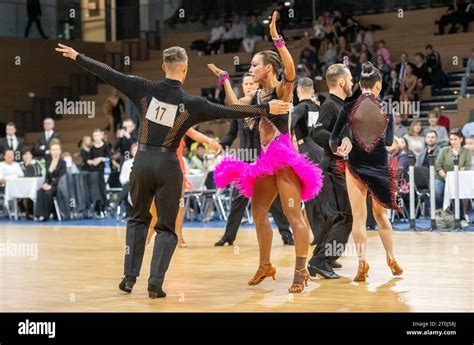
(250, 147)
(332, 204)
(166, 113)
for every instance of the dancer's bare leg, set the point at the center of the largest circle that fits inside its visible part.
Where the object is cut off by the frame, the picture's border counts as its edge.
(384, 227)
(264, 193)
(358, 199)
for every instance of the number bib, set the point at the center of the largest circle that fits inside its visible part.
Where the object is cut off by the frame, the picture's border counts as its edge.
(161, 113)
(313, 117)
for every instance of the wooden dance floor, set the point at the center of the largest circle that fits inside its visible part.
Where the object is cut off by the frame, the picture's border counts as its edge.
(79, 268)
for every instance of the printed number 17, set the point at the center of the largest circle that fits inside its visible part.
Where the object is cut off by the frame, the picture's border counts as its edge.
(162, 114)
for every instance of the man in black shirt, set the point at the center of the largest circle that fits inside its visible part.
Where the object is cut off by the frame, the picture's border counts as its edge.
(431, 148)
(333, 202)
(166, 113)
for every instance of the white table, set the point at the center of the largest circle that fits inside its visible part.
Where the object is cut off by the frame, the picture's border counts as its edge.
(466, 187)
(22, 188)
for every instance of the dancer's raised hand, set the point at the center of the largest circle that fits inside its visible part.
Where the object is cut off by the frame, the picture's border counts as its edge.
(273, 28)
(67, 51)
(214, 69)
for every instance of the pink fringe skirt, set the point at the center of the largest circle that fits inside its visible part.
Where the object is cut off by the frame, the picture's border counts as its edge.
(280, 154)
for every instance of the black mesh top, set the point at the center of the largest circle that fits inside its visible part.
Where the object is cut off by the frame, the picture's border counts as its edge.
(280, 121)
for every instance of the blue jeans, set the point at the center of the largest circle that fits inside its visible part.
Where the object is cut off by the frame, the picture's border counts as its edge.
(439, 193)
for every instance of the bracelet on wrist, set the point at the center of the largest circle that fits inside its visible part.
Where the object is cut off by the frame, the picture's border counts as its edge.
(278, 41)
(223, 77)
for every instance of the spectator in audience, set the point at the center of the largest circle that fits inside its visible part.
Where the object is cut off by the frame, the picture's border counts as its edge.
(399, 129)
(416, 142)
(453, 16)
(41, 147)
(55, 168)
(254, 34)
(187, 161)
(9, 168)
(344, 50)
(330, 32)
(433, 125)
(445, 163)
(118, 108)
(431, 148)
(408, 85)
(364, 48)
(197, 162)
(402, 65)
(318, 33)
(239, 31)
(384, 52)
(71, 167)
(442, 120)
(228, 38)
(468, 128)
(398, 151)
(85, 152)
(29, 165)
(329, 57)
(11, 141)
(468, 77)
(310, 59)
(351, 30)
(393, 88)
(33, 9)
(126, 136)
(385, 69)
(420, 70)
(365, 37)
(470, 146)
(125, 178)
(467, 16)
(215, 40)
(107, 108)
(98, 158)
(433, 61)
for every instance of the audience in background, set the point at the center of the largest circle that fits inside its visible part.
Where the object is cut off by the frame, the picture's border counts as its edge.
(197, 161)
(442, 120)
(433, 61)
(468, 128)
(433, 125)
(254, 34)
(126, 136)
(408, 85)
(468, 77)
(431, 148)
(9, 168)
(402, 66)
(41, 147)
(11, 141)
(117, 105)
(416, 142)
(55, 168)
(30, 166)
(125, 178)
(85, 153)
(470, 146)
(399, 129)
(420, 70)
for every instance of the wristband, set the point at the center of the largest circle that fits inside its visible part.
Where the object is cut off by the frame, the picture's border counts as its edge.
(223, 77)
(278, 41)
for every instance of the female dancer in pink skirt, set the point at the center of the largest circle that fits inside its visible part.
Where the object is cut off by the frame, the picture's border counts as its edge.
(279, 169)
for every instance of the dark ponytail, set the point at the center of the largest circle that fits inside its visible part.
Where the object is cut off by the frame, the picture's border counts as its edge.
(272, 58)
(370, 76)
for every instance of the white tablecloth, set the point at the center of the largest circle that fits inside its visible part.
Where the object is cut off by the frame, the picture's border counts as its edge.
(23, 187)
(466, 187)
(196, 181)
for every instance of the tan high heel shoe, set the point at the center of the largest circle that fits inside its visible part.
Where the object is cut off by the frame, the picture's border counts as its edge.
(299, 287)
(264, 271)
(362, 271)
(394, 266)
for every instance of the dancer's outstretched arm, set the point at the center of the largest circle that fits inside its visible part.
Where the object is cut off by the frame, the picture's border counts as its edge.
(229, 91)
(203, 139)
(285, 88)
(132, 86)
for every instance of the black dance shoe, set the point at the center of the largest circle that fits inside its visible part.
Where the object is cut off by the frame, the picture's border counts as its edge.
(126, 285)
(288, 240)
(324, 270)
(223, 241)
(335, 264)
(155, 292)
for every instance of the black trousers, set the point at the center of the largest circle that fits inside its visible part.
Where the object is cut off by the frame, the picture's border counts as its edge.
(44, 202)
(37, 21)
(237, 210)
(158, 175)
(331, 212)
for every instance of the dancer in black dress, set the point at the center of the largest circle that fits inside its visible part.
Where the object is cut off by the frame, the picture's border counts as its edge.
(368, 169)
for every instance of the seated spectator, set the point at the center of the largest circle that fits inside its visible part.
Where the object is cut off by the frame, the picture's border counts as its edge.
(228, 38)
(467, 16)
(408, 85)
(310, 59)
(384, 52)
(55, 168)
(470, 146)
(365, 37)
(29, 166)
(329, 57)
(85, 153)
(441, 132)
(420, 70)
(118, 109)
(401, 66)
(126, 136)
(318, 33)
(125, 178)
(445, 163)
(364, 48)
(254, 34)
(453, 16)
(239, 31)
(468, 128)
(330, 32)
(11, 141)
(416, 142)
(398, 151)
(468, 77)
(433, 61)
(393, 88)
(197, 161)
(442, 120)
(385, 69)
(350, 31)
(399, 129)
(215, 40)
(9, 169)
(41, 147)
(343, 51)
(431, 148)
